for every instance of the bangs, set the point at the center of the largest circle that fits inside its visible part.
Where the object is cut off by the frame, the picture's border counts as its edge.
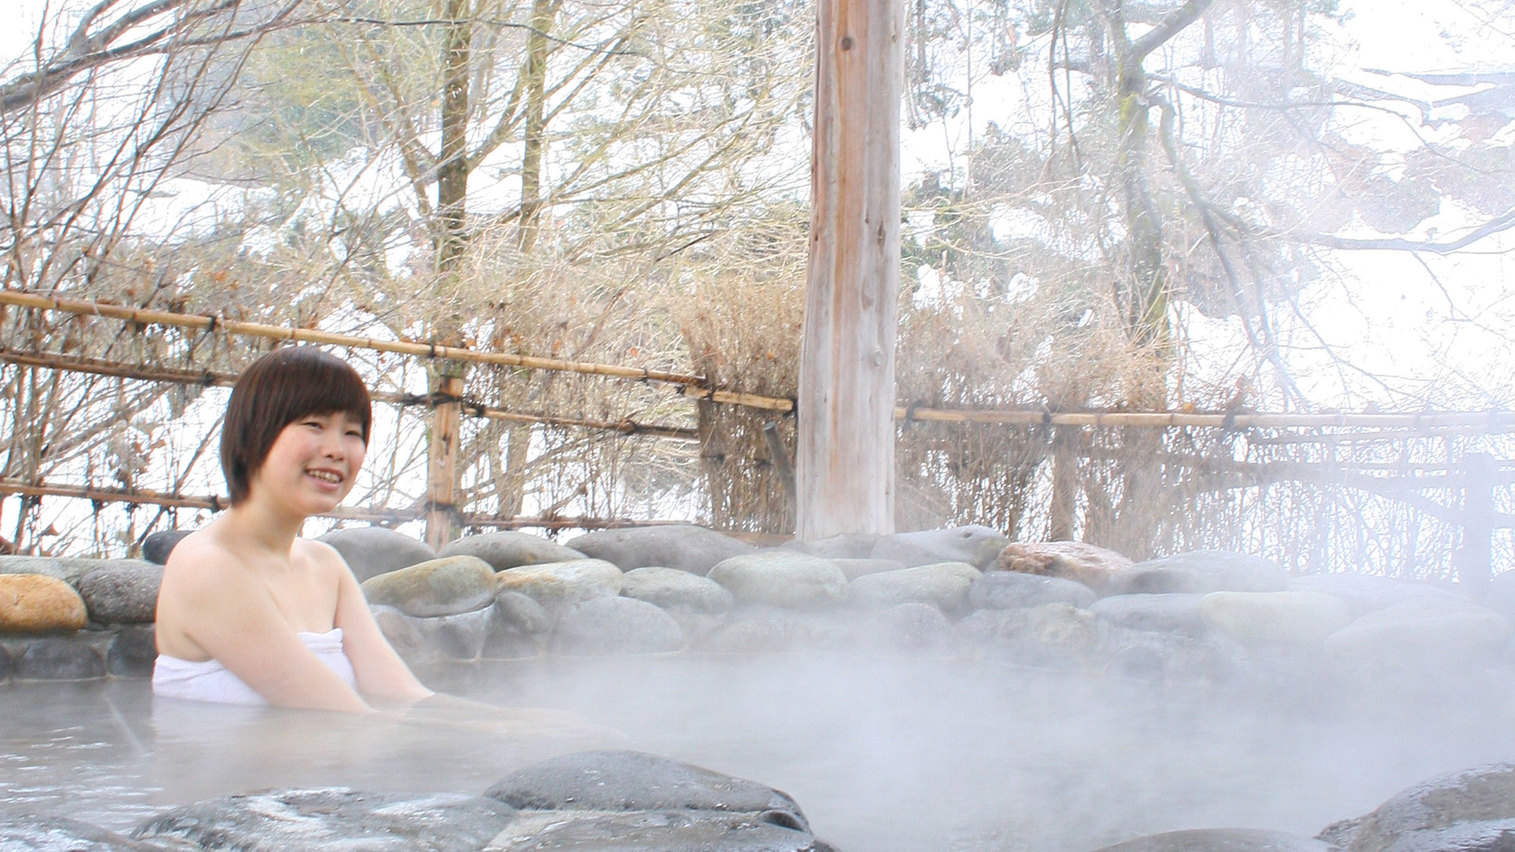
(323, 385)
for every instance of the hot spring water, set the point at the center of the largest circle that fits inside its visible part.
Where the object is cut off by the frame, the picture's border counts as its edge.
(883, 754)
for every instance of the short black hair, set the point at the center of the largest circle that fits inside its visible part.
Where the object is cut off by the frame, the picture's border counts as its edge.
(275, 391)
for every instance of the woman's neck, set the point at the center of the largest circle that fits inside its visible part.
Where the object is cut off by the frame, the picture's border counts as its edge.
(261, 525)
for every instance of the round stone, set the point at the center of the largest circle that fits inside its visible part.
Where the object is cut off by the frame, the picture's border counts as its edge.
(34, 603)
(122, 591)
(510, 549)
(556, 585)
(445, 586)
(782, 578)
(372, 551)
(60, 658)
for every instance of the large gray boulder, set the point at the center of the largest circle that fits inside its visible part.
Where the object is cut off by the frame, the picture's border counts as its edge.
(509, 549)
(71, 657)
(157, 546)
(621, 800)
(1420, 634)
(516, 628)
(912, 629)
(682, 546)
(371, 551)
(122, 591)
(1222, 840)
(1469, 811)
(1054, 634)
(334, 818)
(943, 585)
(672, 589)
(1301, 618)
(1014, 590)
(1199, 571)
(613, 625)
(844, 546)
(556, 585)
(1364, 593)
(976, 545)
(59, 834)
(782, 578)
(132, 651)
(437, 587)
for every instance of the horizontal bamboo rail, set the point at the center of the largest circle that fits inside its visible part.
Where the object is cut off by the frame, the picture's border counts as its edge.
(697, 387)
(96, 366)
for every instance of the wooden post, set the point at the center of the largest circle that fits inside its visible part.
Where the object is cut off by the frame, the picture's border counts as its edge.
(1064, 508)
(442, 459)
(845, 453)
(1474, 557)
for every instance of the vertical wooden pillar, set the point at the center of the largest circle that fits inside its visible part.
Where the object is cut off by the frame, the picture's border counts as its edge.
(1064, 508)
(1474, 569)
(442, 460)
(845, 454)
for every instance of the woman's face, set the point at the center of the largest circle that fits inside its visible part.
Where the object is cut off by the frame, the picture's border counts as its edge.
(312, 464)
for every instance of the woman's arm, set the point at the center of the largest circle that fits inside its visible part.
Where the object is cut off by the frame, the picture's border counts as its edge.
(379, 670)
(222, 611)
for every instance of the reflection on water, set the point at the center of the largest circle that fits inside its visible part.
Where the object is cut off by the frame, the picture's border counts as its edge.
(882, 754)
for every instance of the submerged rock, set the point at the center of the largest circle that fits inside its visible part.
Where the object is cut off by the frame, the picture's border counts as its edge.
(60, 658)
(372, 551)
(38, 603)
(1088, 564)
(1222, 840)
(1200, 571)
(132, 651)
(782, 578)
(447, 586)
(975, 545)
(612, 625)
(122, 591)
(510, 549)
(1470, 811)
(59, 834)
(672, 829)
(334, 818)
(682, 546)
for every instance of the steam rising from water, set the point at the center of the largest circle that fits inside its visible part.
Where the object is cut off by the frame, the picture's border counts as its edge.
(883, 754)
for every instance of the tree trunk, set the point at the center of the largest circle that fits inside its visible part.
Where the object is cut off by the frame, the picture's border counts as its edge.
(845, 455)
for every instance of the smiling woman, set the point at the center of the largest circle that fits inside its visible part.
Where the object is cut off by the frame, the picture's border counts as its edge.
(249, 612)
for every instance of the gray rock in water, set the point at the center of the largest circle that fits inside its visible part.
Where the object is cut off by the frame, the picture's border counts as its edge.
(682, 546)
(1014, 590)
(557, 585)
(1293, 618)
(765, 629)
(447, 586)
(371, 551)
(634, 781)
(132, 651)
(1222, 840)
(1172, 656)
(616, 626)
(66, 568)
(976, 545)
(122, 591)
(782, 578)
(6, 666)
(1164, 613)
(672, 589)
(909, 628)
(1425, 634)
(157, 546)
(456, 637)
(1199, 571)
(1470, 811)
(943, 585)
(1364, 594)
(515, 627)
(656, 830)
(60, 658)
(510, 549)
(1054, 634)
(57, 834)
(334, 818)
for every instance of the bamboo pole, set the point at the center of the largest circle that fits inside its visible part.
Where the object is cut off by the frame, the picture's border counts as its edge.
(695, 387)
(442, 462)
